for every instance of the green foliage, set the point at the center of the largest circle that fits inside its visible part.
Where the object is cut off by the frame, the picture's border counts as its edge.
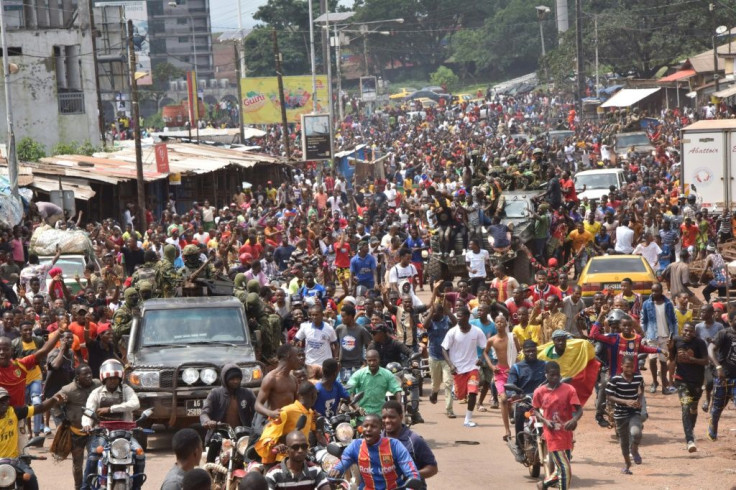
(259, 57)
(155, 121)
(74, 148)
(445, 78)
(30, 150)
(163, 73)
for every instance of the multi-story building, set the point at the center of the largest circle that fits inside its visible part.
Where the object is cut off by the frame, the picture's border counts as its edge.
(54, 90)
(179, 33)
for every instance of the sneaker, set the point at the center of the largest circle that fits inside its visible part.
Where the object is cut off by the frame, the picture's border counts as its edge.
(711, 437)
(636, 457)
(452, 253)
(450, 414)
(691, 448)
(601, 421)
(417, 418)
(705, 406)
(465, 251)
(470, 424)
(669, 390)
(519, 456)
(653, 388)
(494, 405)
(47, 430)
(433, 398)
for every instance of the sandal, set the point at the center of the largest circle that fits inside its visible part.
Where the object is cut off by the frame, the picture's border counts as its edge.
(482, 408)
(506, 437)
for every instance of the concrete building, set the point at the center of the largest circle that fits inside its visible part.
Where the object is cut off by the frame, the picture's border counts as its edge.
(54, 92)
(112, 60)
(180, 35)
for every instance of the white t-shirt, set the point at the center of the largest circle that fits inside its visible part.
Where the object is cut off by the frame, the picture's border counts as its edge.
(624, 240)
(649, 252)
(316, 342)
(208, 214)
(391, 196)
(399, 273)
(462, 347)
(477, 262)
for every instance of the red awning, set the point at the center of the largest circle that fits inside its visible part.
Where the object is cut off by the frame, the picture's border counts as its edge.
(678, 75)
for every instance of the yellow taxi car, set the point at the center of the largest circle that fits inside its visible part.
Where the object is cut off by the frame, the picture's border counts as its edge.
(460, 98)
(402, 94)
(606, 273)
(426, 102)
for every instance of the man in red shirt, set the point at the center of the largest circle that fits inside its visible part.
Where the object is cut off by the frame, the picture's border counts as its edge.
(517, 301)
(689, 233)
(13, 371)
(80, 324)
(567, 185)
(342, 261)
(542, 289)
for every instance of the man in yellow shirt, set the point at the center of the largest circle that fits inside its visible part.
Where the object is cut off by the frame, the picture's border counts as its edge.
(682, 313)
(591, 225)
(580, 239)
(9, 417)
(524, 330)
(23, 346)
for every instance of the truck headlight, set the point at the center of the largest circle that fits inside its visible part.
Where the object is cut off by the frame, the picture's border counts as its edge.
(208, 376)
(144, 379)
(190, 376)
(251, 373)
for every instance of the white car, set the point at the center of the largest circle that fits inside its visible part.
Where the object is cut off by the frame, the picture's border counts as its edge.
(598, 182)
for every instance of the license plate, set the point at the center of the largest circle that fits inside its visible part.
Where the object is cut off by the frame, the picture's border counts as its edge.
(120, 475)
(612, 285)
(193, 407)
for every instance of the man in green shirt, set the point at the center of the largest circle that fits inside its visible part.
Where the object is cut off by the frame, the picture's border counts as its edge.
(374, 381)
(541, 231)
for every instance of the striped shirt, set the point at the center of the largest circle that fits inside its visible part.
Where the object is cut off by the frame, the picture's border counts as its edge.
(311, 478)
(621, 388)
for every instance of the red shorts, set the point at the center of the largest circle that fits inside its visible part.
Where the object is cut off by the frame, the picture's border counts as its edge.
(466, 383)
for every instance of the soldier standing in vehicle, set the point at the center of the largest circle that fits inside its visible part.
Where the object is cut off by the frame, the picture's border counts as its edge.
(122, 320)
(147, 272)
(193, 260)
(167, 277)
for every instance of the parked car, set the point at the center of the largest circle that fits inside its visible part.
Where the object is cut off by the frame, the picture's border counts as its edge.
(402, 94)
(428, 94)
(435, 88)
(598, 182)
(606, 272)
(460, 98)
(559, 135)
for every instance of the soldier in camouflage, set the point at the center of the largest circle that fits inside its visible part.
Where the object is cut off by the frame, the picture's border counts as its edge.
(167, 277)
(122, 320)
(193, 261)
(147, 272)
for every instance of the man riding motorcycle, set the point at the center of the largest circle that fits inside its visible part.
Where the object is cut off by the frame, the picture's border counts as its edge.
(527, 375)
(112, 401)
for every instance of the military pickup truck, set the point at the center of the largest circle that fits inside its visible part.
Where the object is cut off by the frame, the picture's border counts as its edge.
(176, 350)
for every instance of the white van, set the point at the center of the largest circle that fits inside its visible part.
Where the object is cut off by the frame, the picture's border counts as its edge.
(598, 182)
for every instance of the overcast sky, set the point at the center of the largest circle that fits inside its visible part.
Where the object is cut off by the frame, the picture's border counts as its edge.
(224, 13)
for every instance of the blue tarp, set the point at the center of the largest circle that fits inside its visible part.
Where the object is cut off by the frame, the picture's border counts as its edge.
(611, 89)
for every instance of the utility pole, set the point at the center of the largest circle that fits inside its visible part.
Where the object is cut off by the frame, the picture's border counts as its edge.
(597, 89)
(339, 75)
(93, 32)
(10, 150)
(141, 188)
(311, 55)
(238, 76)
(579, 50)
(282, 102)
(712, 8)
(331, 110)
(241, 61)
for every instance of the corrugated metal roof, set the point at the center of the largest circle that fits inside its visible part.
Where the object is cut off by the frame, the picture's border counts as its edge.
(628, 96)
(120, 166)
(678, 75)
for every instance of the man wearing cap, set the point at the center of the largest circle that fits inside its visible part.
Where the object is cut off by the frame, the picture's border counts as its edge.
(100, 348)
(11, 418)
(122, 320)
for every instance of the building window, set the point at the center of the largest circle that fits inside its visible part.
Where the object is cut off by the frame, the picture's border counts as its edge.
(182, 20)
(69, 79)
(184, 39)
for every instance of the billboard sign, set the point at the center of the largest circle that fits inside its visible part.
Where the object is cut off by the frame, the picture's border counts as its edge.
(368, 89)
(261, 104)
(316, 136)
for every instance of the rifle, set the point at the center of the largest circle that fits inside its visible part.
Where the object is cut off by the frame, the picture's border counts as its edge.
(190, 287)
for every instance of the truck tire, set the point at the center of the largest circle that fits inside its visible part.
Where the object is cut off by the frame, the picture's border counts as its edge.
(433, 270)
(521, 268)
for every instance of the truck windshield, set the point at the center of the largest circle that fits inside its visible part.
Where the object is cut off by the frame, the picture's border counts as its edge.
(596, 181)
(70, 266)
(192, 326)
(516, 209)
(633, 139)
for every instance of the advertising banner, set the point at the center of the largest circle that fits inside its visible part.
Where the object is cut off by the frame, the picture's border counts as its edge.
(162, 158)
(136, 11)
(193, 98)
(261, 104)
(316, 137)
(368, 89)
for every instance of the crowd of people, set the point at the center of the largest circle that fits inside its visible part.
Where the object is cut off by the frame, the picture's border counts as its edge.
(332, 276)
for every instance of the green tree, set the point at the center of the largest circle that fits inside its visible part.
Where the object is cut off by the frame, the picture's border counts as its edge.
(30, 150)
(445, 78)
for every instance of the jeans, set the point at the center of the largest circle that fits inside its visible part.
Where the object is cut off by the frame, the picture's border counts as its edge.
(346, 372)
(629, 431)
(724, 389)
(440, 373)
(689, 395)
(519, 420)
(90, 472)
(476, 283)
(33, 397)
(708, 290)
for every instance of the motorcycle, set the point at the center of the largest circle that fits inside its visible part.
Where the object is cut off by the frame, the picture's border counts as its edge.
(532, 443)
(409, 375)
(12, 477)
(226, 456)
(115, 465)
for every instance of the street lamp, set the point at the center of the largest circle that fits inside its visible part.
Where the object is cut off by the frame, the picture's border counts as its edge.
(720, 31)
(542, 12)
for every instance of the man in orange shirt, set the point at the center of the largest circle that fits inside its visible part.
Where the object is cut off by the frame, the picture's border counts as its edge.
(79, 325)
(689, 232)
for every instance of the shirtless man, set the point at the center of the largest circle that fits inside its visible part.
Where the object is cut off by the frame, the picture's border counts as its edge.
(507, 349)
(279, 387)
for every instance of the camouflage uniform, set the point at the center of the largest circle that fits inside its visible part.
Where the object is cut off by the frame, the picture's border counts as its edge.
(147, 272)
(168, 278)
(258, 317)
(192, 262)
(122, 320)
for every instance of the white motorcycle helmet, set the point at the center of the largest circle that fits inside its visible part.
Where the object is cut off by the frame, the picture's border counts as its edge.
(112, 368)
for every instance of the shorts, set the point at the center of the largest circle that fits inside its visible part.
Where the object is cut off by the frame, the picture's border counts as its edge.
(466, 383)
(660, 342)
(486, 375)
(343, 274)
(502, 375)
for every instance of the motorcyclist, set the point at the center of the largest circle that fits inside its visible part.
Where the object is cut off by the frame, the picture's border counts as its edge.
(113, 401)
(9, 441)
(218, 407)
(527, 375)
(394, 353)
